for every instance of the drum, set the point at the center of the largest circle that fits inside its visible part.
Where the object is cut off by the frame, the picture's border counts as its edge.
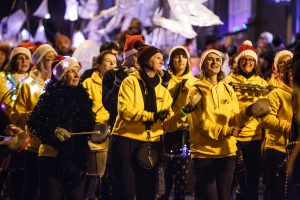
(176, 143)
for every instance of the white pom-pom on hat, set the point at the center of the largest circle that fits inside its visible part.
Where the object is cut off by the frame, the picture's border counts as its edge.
(248, 42)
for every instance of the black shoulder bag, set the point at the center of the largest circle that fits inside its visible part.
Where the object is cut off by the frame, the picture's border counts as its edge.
(147, 155)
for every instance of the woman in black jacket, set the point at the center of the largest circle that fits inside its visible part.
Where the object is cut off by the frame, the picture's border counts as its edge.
(65, 105)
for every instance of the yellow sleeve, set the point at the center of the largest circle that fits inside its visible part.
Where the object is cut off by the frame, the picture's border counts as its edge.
(239, 118)
(20, 113)
(174, 120)
(128, 102)
(271, 121)
(204, 125)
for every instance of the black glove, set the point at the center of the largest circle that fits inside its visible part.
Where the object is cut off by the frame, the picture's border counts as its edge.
(162, 115)
(191, 106)
(120, 75)
(188, 108)
(260, 108)
(166, 77)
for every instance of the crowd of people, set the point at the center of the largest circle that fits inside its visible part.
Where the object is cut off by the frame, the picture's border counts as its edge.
(234, 128)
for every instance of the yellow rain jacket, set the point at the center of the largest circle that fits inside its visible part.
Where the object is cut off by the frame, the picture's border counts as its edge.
(94, 89)
(27, 97)
(132, 116)
(279, 119)
(173, 83)
(9, 84)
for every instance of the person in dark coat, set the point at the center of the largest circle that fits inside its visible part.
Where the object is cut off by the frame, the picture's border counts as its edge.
(64, 107)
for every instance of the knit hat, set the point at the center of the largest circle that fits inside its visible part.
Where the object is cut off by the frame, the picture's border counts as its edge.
(144, 53)
(205, 53)
(128, 46)
(63, 66)
(19, 50)
(179, 47)
(278, 56)
(246, 49)
(40, 52)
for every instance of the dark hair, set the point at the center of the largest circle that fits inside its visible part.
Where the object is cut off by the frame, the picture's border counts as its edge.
(101, 56)
(288, 66)
(176, 52)
(109, 46)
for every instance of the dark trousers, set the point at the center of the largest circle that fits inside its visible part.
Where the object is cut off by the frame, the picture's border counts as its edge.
(272, 161)
(31, 180)
(175, 174)
(55, 184)
(15, 178)
(251, 152)
(129, 179)
(214, 177)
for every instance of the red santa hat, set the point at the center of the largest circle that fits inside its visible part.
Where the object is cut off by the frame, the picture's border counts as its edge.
(128, 46)
(246, 49)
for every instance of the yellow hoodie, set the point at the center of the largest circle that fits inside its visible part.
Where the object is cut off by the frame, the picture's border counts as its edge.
(274, 81)
(28, 95)
(132, 116)
(173, 83)
(211, 122)
(251, 130)
(94, 89)
(279, 120)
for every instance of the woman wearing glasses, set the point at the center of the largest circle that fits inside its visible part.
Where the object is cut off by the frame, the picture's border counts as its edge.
(248, 86)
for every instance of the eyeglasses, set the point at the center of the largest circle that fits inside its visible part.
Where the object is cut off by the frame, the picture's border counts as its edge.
(250, 60)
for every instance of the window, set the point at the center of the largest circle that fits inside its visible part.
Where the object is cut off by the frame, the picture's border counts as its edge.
(239, 14)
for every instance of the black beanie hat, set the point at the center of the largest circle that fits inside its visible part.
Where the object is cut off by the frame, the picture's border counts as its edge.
(144, 53)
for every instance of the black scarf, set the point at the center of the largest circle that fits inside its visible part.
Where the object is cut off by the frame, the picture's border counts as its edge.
(150, 97)
(247, 75)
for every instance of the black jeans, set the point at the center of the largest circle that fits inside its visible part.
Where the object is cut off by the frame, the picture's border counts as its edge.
(272, 161)
(214, 177)
(31, 176)
(56, 182)
(129, 179)
(251, 152)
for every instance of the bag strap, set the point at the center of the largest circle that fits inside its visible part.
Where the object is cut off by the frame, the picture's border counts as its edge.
(143, 90)
(178, 90)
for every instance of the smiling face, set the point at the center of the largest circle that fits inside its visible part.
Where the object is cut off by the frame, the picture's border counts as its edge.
(212, 64)
(281, 63)
(246, 64)
(71, 76)
(156, 62)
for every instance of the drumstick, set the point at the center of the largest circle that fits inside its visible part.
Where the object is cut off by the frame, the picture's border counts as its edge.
(86, 133)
